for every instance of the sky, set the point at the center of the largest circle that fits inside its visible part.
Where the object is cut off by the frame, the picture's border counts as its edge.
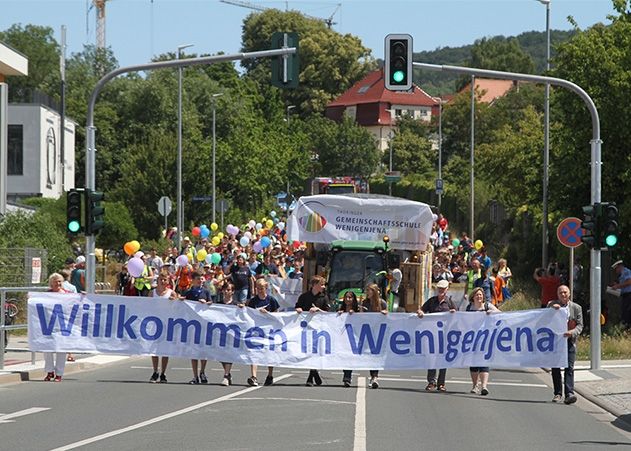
(136, 30)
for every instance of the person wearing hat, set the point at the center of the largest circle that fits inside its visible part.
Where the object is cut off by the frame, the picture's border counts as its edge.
(77, 277)
(623, 277)
(437, 304)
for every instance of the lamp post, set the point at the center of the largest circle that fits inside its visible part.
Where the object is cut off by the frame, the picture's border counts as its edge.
(471, 161)
(214, 96)
(289, 108)
(390, 138)
(180, 207)
(440, 147)
(546, 146)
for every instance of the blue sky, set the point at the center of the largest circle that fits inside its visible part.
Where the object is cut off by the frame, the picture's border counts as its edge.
(138, 29)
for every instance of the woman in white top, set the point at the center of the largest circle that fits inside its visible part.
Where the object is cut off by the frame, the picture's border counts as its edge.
(55, 362)
(163, 291)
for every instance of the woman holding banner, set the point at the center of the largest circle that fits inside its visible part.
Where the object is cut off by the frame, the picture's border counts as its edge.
(349, 305)
(55, 362)
(163, 291)
(375, 304)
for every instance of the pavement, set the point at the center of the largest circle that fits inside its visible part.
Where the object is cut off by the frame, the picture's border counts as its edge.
(608, 387)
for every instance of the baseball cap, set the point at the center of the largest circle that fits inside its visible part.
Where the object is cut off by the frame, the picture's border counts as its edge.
(80, 259)
(442, 284)
(618, 262)
(69, 261)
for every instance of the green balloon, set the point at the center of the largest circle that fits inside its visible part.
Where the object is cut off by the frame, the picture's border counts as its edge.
(215, 258)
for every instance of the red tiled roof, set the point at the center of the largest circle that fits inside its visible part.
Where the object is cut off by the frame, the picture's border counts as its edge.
(371, 89)
(490, 89)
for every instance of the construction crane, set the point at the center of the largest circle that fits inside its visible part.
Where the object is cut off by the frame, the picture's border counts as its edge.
(99, 5)
(328, 21)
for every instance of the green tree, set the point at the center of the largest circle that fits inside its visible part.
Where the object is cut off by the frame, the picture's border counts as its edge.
(500, 53)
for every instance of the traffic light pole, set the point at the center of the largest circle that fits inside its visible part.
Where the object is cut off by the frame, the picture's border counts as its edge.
(90, 152)
(596, 162)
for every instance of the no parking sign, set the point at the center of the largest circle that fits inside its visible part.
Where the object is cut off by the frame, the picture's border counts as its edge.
(569, 232)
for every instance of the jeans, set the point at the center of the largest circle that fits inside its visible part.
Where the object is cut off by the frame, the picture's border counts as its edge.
(568, 383)
(242, 295)
(431, 376)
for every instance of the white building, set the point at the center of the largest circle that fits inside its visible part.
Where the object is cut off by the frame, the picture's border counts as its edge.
(36, 164)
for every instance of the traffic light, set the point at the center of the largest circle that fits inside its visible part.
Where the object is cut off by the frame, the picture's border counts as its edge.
(285, 68)
(591, 226)
(73, 211)
(609, 226)
(398, 62)
(94, 212)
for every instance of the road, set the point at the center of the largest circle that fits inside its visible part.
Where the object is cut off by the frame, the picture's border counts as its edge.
(115, 408)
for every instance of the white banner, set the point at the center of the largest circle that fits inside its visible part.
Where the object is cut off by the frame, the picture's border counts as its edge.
(324, 218)
(144, 326)
(285, 291)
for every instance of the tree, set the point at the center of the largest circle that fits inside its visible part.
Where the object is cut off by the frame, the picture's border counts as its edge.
(500, 53)
(412, 151)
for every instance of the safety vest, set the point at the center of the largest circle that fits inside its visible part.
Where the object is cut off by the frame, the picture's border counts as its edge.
(143, 281)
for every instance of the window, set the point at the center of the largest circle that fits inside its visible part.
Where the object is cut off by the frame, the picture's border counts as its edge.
(16, 150)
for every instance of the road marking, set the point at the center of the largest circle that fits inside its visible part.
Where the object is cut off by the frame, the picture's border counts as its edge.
(104, 359)
(452, 381)
(166, 416)
(604, 367)
(180, 369)
(586, 376)
(326, 401)
(8, 417)
(359, 443)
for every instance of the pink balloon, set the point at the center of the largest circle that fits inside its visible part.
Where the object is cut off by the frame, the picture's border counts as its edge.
(257, 246)
(182, 260)
(135, 266)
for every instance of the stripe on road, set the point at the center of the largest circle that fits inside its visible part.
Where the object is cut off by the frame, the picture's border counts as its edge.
(8, 417)
(167, 416)
(452, 381)
(360, 416)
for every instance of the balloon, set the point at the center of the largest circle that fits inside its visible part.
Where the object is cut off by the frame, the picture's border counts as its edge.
(229, 229)
(269, 223)
(280, 225)
(455, 242)
(264, 219)
(129, 248)
(139, 254)
(182, 260)
(479, 244)
(215, 258)
(136, 246)
(265, 242)
(220, 235)
(251, 223)
(135, 266)
(196, 231)
(257, 247)
(204, 233)
(214, 226)
(244, 241)
(209, 258)
(296, 244)
(434, 217)
(272, 214)
(201, 255)
(189, 256)
(215, 241)
(258, 226)
(248, 234)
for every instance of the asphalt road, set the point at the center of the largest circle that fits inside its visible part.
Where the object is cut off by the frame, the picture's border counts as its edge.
(115, 408)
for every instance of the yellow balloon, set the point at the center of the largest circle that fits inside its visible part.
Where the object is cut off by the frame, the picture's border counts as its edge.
(220, 235)
(214, 226)
(269, 223)
(136, 245)
(190, 257)
(201, 255)
(264, 220)
(479, 244)
(215, 241)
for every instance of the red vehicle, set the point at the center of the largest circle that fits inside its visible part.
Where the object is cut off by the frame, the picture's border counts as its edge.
(337, 185)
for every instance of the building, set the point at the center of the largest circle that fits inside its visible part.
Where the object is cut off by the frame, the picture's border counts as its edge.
(489, 90)
(36, 165)
(371, 105)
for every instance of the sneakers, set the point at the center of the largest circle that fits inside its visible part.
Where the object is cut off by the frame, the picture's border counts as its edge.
(570, 399)
(442, 388)
(309, 382)
(163, 378)
(253, 382)
(374, 383)
(269, 380)
(49, 376)
(227, 380)
(557, 398)
(484, 391)
(431, 386)
(58, 379)
(316, 378)
(194, 381)
(202, 378)
(154, 377)
(346, 382)
(474, 390)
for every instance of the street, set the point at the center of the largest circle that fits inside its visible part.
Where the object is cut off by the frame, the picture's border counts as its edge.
(115, 407)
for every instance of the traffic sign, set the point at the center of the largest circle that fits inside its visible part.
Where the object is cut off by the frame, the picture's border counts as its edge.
(222, 205)
(164, 206)
(439, 186)
(569, 232)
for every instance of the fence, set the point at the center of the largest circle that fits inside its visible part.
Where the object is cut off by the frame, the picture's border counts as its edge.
(20, 267)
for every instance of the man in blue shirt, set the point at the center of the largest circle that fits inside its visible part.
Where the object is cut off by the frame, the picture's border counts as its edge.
(198, 293)
(623, 275)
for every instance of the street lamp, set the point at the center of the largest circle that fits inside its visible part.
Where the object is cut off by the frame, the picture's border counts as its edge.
(180, 207)
(440, 148)
(289, 108)
(546, 147)
(390, 138)
(214, 96)
(471, 161)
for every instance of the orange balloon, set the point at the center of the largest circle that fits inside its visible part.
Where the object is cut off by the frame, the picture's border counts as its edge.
(129, 248)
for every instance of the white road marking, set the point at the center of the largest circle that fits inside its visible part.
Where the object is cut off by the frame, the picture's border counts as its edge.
(604, 367)
(180, 369)
(586, 376)
(166, 416)
(452, 381)
(325, 401)
(104, 359)
(8, 417)
(359, 443)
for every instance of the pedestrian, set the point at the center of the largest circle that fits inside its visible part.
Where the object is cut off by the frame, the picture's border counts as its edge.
(574, 314)
(349, 305)
(313, 301)
(69, 287)
(142, 283)
(241, 278)
(264, 303)
(374, 304)
(480, 374)
(162, 291)
(55, 362)
(437, 304)
(200, 294)
(549, 282)
(77, 277)
(227, 298)
(623, 277)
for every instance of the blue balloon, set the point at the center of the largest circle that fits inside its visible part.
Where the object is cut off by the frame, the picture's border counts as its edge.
(204, 232)
(265, 242)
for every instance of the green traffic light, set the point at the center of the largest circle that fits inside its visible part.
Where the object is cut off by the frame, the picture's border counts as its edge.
(74, 226)
(398, 76)
(611, 240)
